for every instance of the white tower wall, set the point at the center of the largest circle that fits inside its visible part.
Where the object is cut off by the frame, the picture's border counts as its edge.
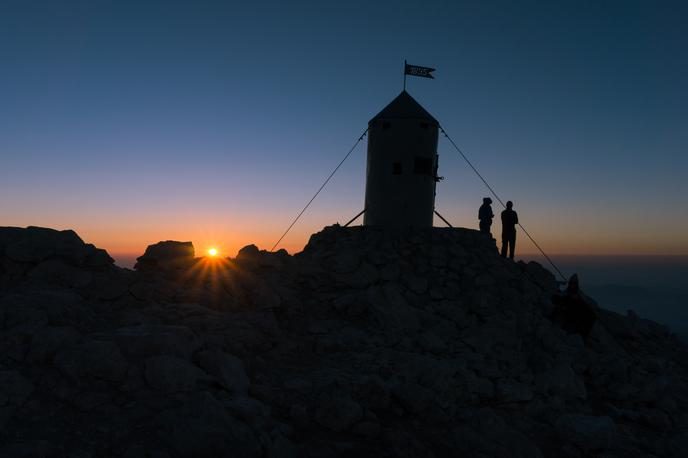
(402, 166)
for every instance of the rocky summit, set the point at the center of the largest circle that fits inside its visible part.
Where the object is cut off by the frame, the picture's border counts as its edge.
(421, 343)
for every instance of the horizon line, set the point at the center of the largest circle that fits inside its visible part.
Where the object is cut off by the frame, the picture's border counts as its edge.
(680, 255)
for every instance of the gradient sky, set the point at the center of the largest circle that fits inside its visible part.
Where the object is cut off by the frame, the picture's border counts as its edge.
(133, 122)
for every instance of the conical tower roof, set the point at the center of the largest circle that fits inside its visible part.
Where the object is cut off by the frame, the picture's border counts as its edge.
(404, 107)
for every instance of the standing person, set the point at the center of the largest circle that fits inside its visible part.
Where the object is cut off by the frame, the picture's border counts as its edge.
(485, 216)
(509, 222)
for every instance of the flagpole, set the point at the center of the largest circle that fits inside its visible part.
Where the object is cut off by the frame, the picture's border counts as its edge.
(404, 75)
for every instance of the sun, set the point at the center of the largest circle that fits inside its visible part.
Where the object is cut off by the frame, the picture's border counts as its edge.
(212, 252)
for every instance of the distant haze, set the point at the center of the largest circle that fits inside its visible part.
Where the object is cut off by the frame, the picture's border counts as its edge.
(653, 286)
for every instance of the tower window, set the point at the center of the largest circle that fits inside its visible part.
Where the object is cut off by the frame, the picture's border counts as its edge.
(422, 166)
(386, 125)
(396, 168)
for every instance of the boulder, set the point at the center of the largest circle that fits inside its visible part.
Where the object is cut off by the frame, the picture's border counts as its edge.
(373, 393)
(563, 381)
(145, 340)
(202, 427)
(417, 284)
(58, 272)
(250, 257)
(390, 307)
(170, 374)
(345, 261)
(109, 286)
(365, 275)
(227, 369)
(249, 410)
(337, 412)
(48, 340)
(413, 397)
(298, 385)
(167, 255)
(513, 391)
(264, 296)
(249, 252)
(30, 449)
(586, 431)
(14, 388)
(34, 245)
(541, 276)
(92, 359)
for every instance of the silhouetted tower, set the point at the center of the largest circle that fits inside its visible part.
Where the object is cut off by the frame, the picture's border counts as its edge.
(402, 165)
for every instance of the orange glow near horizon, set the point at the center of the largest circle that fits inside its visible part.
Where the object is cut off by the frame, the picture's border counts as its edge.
(232, 242)
(125, 239)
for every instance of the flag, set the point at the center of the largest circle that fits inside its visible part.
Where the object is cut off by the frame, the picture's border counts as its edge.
(415, 70)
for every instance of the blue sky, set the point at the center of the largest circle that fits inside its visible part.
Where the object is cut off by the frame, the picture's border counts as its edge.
(133, 122)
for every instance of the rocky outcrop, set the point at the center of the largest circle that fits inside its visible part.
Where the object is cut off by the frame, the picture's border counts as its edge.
(420, 343)
(166, 255)
(47, 256)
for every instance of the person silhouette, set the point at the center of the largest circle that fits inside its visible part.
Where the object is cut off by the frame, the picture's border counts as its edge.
(509, 222)
(485, 216)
